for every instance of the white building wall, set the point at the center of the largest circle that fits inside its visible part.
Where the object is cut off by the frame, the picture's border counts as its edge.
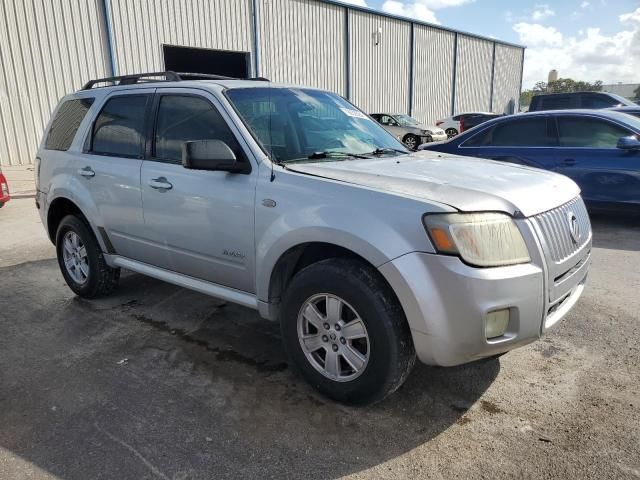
(47, 49)
(303, 42)
(506, 79)
(432, 73)
(379, 73)
(141, 27)
(473, 74)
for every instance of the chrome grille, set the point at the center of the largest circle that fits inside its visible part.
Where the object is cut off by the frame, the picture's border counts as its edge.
(555, 226)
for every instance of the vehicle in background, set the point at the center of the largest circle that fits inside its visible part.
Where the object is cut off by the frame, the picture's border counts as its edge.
(564, 101)
(4, 190)
(409, 130)
(635, 111)
(464, 121)
(598, 149)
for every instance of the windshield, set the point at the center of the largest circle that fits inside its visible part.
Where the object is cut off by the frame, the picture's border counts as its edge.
(622, 100)
(302, 124)
(406, 120)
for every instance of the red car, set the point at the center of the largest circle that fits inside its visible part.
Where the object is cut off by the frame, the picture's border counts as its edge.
(4, 190)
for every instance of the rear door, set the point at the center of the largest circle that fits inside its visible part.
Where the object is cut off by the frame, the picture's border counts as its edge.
(198, 223)
(110, 167)
(525, 141)
(587, 153)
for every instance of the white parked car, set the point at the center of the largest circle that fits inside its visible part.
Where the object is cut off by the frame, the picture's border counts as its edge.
(409, 130)
(464, 121)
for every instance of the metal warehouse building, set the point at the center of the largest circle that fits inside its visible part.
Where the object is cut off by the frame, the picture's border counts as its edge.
(379, 62)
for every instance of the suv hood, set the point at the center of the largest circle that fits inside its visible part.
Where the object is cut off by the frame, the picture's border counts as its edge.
(464, 183)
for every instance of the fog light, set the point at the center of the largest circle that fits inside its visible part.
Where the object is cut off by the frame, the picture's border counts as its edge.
(496, 323)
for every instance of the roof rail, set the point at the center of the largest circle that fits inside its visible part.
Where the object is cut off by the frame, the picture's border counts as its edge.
(169, 76)
(133, 78)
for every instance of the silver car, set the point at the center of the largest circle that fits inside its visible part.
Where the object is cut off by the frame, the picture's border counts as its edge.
(294, 203)
(409, 130)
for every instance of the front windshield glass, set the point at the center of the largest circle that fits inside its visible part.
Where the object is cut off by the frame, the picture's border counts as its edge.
(302, 124)
(622, 100)
(406, 120)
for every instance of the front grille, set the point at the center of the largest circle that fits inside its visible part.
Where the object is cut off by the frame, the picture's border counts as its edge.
(555, 227)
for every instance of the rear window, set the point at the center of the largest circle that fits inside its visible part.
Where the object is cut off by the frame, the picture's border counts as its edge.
(556, 102)
(66, 122)
(118, 130)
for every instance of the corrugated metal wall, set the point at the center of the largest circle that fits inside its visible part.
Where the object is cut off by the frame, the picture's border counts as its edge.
(433, 52)
(47, 49)
(379, 73)
(141, 27)
(473, 74)
(506, 80)
(303, 42)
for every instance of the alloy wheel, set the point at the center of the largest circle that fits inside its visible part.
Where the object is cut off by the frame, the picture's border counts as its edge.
(333, 337)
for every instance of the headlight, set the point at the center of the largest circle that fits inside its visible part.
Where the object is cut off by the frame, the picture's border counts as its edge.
(481, 239)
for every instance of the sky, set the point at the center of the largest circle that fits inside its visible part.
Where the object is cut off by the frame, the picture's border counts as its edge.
(583, 39)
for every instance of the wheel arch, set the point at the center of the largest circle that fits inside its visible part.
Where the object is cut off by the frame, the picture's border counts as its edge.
(302, 255)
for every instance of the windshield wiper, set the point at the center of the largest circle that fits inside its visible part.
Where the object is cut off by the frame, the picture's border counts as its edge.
(382, 151)
(329, 154)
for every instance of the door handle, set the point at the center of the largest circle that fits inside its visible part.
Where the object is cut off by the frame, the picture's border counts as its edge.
(87, 172)
(569, 161)
(160, 183)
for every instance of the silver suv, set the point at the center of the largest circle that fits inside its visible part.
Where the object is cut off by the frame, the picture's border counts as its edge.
(293, 202)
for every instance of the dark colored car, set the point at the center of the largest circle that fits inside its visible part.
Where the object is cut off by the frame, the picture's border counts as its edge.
(598, 149)
(562, 101)
(635, 111)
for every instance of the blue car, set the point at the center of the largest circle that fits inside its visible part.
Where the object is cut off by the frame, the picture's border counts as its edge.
(598, 149)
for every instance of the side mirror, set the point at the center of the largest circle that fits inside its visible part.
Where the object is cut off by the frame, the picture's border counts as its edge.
(629, 143)
(212, 155)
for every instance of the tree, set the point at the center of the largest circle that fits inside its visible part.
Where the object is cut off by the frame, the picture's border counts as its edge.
(636, 92)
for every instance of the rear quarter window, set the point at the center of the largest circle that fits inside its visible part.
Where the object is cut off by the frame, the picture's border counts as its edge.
(66, 123)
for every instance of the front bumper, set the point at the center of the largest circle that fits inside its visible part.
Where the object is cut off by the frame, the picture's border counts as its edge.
(446, 303)
(433, 138)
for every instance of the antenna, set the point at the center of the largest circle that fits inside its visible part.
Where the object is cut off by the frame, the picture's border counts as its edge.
(271, 154)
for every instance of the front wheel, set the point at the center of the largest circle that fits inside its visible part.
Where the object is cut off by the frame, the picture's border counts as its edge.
(411, 141)
(345, 331)
(451, 132)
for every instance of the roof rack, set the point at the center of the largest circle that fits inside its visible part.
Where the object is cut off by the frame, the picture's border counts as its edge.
(169, 76)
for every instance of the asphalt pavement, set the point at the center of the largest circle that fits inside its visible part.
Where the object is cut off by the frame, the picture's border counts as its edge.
(157, 382)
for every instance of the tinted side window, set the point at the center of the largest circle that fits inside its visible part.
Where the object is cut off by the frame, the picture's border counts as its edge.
(556, 102)
(184, 118)
(65, 124)
(589, 132)
(529, 132)
(598, 101)
(118, 130)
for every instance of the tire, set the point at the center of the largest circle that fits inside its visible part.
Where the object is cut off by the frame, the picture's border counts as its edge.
(89, 276)
(411, 141)
(386, 355)
(451, 132)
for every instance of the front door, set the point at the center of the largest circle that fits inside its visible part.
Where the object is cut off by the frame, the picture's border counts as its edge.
(587, 154)
(199, 223)
(110, 168)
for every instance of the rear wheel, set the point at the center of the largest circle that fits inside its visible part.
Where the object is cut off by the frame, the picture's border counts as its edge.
(81, 261)
(451, 132)
(411, 141)
(345, 331)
